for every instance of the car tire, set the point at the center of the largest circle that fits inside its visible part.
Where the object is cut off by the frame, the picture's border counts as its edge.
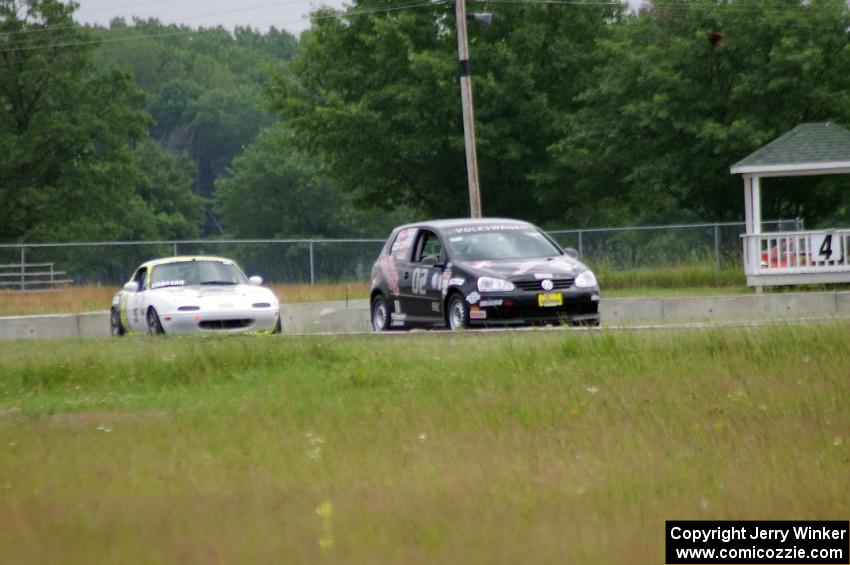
(154, 327)
(380, 314)
(278, 328)
(115, 326)
(457, 313)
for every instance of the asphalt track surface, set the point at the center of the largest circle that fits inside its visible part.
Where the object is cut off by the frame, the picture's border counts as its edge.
(396, 333)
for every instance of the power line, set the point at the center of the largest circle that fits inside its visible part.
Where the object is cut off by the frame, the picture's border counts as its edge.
(367, 11)
(565, 2)
(95, 42)
(201, 16)
(729, 8)
(348, 14)
(125, 6)
(718, 8)
(683, 11)
(137, 37)
(60, 27)
(134, 37)
(657, 8)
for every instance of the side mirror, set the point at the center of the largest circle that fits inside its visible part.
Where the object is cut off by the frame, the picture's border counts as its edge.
(571, 252)
(131, 286)
(255, 281)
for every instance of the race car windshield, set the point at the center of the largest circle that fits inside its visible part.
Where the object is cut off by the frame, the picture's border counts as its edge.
(185, 273)
(494, 246)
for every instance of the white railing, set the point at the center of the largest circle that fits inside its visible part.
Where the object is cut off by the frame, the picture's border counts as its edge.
(31, 275)
(802, 252)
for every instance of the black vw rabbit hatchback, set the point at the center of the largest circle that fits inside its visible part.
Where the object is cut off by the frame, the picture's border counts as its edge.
(477, 273)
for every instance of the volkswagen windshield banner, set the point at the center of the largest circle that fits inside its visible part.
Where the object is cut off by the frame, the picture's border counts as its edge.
(762, 542)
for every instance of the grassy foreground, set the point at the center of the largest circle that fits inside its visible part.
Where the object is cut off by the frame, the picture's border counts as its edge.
(477, 448)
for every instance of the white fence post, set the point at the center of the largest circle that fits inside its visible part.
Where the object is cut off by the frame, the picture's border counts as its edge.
(312, 268)
(717, 247)
(23, 267)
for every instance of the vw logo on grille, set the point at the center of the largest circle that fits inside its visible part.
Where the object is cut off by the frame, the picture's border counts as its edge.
(547, 284)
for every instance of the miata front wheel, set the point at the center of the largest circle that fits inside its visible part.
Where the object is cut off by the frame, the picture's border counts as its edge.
(154, 327)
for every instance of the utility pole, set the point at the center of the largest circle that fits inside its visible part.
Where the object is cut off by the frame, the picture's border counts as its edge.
(466, 104)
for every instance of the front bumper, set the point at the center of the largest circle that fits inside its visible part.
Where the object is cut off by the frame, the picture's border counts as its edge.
(220, 321)
(580, 306)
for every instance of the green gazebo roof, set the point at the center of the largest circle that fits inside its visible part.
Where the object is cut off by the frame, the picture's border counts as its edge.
(807, 149)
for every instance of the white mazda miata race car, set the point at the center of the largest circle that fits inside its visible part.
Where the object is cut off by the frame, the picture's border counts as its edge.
(193, 295)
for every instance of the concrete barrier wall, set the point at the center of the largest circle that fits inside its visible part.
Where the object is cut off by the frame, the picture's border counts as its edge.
(705, 308)
(51, 326)
(625, 310)
(337, 316)
(352, 316)
(93, 324)
(842, 302)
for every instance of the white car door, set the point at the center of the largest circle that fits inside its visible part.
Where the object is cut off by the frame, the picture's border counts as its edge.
(136, 302)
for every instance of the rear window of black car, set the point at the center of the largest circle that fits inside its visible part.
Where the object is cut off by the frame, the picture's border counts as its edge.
(400, 249)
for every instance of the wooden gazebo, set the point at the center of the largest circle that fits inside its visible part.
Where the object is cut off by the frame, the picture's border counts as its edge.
(801, 257)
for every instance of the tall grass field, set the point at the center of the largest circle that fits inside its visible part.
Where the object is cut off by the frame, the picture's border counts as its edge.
(550, 447)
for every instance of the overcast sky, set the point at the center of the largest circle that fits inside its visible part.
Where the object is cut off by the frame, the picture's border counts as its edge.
(261, 14)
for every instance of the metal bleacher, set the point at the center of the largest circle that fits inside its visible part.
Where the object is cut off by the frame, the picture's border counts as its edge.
(29, 276)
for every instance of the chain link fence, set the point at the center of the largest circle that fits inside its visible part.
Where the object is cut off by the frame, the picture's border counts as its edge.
(718, 244)
(343, 260)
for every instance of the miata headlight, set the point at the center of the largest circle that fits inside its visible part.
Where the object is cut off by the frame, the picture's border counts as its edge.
(586, 280)
(489, 284)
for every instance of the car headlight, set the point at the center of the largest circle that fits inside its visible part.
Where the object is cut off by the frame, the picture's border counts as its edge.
(489, 284)
(586, 279)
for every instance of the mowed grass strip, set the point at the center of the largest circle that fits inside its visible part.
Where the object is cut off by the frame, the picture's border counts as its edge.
(476, 448)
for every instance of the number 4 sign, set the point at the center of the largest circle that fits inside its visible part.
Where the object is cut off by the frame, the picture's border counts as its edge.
(826, 247)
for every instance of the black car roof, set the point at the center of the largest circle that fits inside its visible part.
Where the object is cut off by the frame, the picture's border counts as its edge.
(441, 225)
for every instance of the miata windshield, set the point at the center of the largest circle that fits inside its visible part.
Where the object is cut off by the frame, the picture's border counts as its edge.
(185, 273)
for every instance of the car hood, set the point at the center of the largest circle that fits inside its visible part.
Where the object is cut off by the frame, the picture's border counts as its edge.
(559, 266)
(193, 292)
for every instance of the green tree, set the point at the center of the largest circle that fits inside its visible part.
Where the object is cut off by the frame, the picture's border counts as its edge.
(690, 87)
(74, 163)
(168, 209)
(275, 190)
(376, 96)
(66, 128)
(204, 88)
